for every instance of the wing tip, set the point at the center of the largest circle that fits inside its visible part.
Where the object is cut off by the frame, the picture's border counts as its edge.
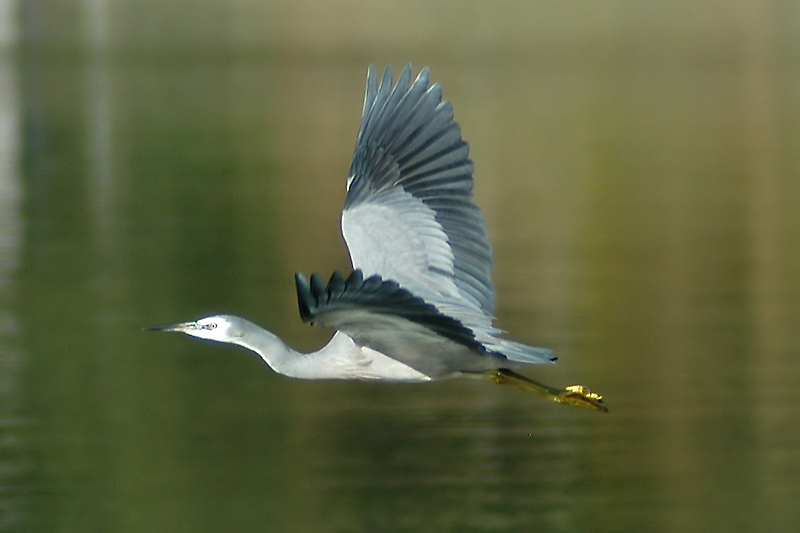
(313, 293)
(305, 301)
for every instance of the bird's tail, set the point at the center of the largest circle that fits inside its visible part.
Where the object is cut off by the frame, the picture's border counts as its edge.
(522, 353)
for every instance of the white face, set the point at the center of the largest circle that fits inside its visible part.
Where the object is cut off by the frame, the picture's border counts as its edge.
(220, 328)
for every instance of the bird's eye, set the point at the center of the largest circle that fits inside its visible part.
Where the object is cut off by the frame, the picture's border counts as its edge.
(210, 325)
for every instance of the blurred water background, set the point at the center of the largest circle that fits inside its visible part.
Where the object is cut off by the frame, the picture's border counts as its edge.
(638, 167)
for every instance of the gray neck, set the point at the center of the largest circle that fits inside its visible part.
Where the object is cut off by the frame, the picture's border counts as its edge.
(271, 348)
(288, 362)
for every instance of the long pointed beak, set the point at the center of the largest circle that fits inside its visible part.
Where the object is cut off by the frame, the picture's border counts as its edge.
(181, 327)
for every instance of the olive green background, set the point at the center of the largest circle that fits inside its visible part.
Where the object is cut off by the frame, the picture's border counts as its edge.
(638, 166)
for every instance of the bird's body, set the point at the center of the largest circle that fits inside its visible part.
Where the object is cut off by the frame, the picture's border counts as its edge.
(418, 305)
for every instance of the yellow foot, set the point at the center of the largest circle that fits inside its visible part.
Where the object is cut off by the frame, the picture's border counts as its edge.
(582, 397)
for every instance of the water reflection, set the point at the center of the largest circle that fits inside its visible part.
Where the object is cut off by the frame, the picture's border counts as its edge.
(638, 177)
(12, 228)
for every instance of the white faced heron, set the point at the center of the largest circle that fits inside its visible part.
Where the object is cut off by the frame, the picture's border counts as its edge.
(418, 304)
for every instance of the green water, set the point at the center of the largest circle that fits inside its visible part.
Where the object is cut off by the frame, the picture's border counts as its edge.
(638, 167)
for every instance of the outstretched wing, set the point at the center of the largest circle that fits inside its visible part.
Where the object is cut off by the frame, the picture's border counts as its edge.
(409, 218)
(409, 215)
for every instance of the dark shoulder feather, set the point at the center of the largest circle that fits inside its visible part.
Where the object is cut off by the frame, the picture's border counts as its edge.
(375, 296)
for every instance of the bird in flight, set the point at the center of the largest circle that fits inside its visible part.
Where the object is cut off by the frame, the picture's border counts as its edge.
(418, 305)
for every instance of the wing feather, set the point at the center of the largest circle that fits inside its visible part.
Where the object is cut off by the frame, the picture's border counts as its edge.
(409, 218)
(409, 214)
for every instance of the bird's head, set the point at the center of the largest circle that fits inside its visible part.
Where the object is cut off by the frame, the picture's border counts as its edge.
(219, 328)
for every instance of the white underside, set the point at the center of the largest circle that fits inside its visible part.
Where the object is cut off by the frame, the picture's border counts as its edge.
(342, 358)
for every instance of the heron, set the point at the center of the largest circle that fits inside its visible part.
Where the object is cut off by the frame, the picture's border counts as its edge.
(418, 305)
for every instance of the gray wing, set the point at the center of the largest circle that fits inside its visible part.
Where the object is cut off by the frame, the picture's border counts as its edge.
(409, 214)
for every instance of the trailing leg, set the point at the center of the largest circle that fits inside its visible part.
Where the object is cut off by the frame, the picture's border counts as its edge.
(574, 395)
